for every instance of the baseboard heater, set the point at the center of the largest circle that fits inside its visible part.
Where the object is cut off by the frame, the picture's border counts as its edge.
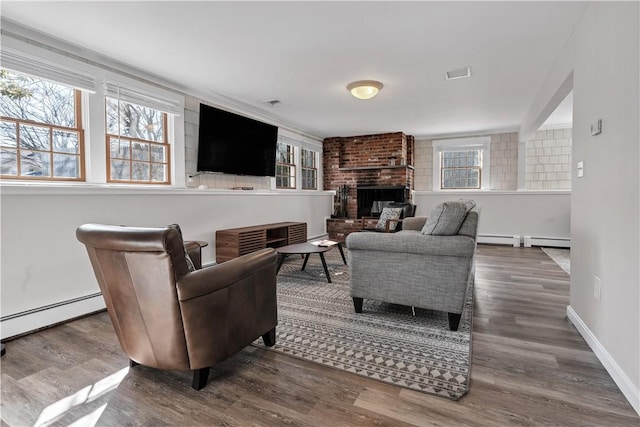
(557, 242)
(497, 239)
(23, 322)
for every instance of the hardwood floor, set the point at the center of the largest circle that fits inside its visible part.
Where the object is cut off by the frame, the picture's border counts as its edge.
(529, 367)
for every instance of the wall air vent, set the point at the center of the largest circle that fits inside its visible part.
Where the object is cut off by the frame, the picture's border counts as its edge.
(460, 73)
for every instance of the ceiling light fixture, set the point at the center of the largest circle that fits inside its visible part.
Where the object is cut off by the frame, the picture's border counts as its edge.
(364, 89)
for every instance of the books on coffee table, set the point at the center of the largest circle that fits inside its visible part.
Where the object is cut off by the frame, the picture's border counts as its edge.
(324, 243)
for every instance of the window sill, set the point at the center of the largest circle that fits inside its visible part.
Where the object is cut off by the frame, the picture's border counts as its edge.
(496, 192)
(31, 188)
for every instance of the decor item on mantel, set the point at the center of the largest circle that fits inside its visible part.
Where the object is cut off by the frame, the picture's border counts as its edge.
(387, 343)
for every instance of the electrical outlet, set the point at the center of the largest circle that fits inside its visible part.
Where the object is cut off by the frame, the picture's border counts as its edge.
(597, 287)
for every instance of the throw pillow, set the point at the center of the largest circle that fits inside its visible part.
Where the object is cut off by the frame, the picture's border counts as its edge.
(386, 215)
(446, 219)
(190, 263)
(470, 204)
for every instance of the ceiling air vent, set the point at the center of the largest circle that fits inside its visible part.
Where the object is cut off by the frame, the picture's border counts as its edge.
(273, 102)
(460, 73)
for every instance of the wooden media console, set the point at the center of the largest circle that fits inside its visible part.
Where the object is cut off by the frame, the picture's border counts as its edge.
(235, 242)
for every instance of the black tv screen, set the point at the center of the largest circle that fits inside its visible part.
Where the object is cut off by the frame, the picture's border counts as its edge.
(234, 144)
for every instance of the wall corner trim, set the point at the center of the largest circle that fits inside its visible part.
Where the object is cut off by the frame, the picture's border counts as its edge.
(624, 383)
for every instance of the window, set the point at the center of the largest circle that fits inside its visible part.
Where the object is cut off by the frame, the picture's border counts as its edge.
(41, 135)
(137, 145)
(285, 166)
(309, 169)
(460, 169)
(461, 164)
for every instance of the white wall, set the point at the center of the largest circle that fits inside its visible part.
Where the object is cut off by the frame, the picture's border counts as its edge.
(510, 213)
(603, 58)
(43, 263)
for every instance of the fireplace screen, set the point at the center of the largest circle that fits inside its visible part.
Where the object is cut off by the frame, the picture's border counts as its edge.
(371, 199)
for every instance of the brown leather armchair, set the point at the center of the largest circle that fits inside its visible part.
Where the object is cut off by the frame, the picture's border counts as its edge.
(168, 317)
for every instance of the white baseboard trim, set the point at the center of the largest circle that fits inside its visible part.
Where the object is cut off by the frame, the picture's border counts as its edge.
(499, 240)
(557, 242)
(626, 386)
(41, 317)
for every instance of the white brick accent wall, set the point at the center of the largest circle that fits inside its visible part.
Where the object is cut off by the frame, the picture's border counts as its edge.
(548, 160)
(423, 174)
(504, 161)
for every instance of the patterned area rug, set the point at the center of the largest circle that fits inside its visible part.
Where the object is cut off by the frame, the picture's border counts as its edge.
(386, 342)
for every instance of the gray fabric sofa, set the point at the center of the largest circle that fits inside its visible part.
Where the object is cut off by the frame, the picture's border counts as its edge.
(413, 269)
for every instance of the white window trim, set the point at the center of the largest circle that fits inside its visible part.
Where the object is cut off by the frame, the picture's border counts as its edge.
(299, 142)
(460, 144)
(140, 93)
(317, 163)
(40, 63)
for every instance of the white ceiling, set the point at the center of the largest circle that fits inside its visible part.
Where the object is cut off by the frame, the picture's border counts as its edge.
(305, 53)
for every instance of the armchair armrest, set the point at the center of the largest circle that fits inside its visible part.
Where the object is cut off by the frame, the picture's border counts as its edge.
(207, 280)
(194, 249)
(459, 246)
(414, 223)
(366, 220)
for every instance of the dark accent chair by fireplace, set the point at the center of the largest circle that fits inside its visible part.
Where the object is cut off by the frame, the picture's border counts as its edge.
(168, 316)
(385, 224)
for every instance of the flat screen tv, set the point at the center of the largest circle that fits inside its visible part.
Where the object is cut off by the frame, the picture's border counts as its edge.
(234, 144)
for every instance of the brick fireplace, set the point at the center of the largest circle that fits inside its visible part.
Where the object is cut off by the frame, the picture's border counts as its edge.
(371, 166)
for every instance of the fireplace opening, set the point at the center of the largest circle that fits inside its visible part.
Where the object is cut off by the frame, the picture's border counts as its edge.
(372, 198)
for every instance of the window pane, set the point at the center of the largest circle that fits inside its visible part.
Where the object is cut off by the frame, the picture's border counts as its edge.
(8, 136)
(461, 169)
(120, 170)
(8, 162)
(29, 98)
(34, 163)
(134, 121)
(34, 137)
(120, 148)
(67, 166)
(140, 171)
(158, 173)
(158, 154)
(140, 151)
(53, 107)
(66, 142)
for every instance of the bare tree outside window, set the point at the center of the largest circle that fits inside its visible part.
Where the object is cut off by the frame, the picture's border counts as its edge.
(138, 150)
(40, 129)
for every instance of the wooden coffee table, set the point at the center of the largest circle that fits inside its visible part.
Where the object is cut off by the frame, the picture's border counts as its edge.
(305, 249)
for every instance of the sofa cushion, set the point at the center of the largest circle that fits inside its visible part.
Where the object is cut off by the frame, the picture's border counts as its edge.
(386, 215)
(446, 218)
